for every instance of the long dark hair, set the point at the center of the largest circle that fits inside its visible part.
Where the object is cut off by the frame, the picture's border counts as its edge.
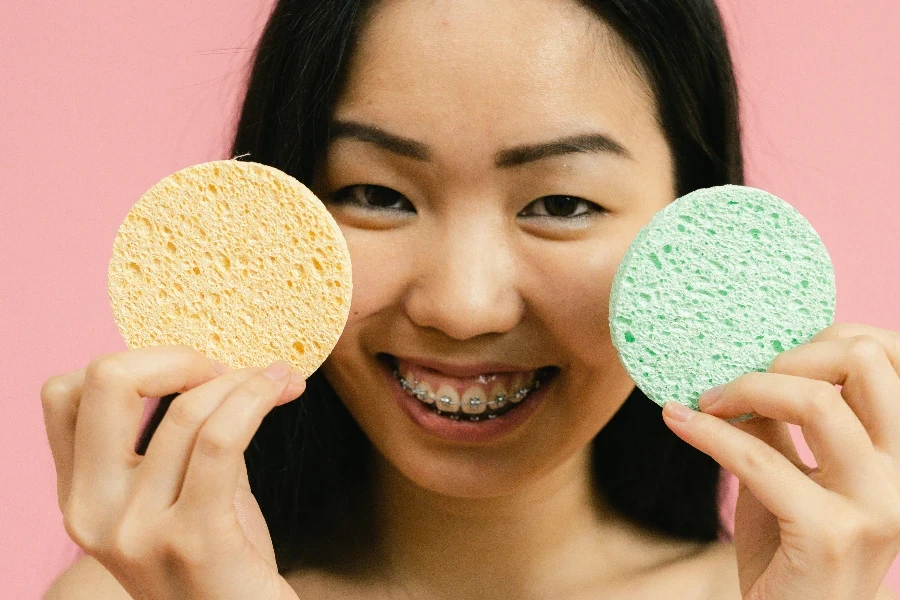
(308, 461)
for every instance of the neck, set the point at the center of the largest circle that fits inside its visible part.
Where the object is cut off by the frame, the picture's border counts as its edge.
(549, 537)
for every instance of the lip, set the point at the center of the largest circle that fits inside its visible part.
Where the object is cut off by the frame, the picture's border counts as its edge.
(465, 370)
(481, 432)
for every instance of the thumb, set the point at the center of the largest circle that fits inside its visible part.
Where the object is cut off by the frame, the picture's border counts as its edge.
(757, 532)
(251, 519)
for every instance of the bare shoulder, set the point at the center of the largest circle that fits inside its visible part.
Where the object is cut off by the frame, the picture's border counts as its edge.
(86, 579)
(720, 565)
(324, 586)
(706, 571)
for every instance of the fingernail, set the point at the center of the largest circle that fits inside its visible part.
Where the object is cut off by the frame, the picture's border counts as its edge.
(710, 397)
(220, 368)
(677, 411)
(296, 378)
(295, 388)
(277, 370)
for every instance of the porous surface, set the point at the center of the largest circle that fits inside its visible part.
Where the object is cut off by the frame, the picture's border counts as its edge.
(716, 285)
(235, 259)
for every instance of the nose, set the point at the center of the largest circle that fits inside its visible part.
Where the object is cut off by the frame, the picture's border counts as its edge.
(465, 284)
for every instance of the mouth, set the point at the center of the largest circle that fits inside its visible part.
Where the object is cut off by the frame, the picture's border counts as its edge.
(483, 397)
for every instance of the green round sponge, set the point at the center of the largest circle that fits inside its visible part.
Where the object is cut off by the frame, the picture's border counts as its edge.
(716, 285)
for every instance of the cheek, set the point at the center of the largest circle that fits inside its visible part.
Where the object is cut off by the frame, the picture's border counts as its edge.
(379, 261)
(576, 309)
(575, 298)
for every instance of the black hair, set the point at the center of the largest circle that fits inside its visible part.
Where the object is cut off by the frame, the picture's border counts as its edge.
(308, 461)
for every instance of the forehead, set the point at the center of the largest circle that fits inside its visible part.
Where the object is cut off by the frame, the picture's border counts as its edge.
(517, 70)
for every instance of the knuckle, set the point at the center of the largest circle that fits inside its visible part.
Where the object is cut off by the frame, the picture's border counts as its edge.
(864, 349)
(895, 342)
(749, 382)
(834, 550)
(781, 363)
(254, 391)
(131, 544)
(762, 460)
(836, 331)
(184, 414)
(747, 385)
(104, 369)
(259, 384)
(188, 549)
(838, 537)
(214, 443)
(885, 525)
(53, 389)
(190, 353)
(80, 527)
(885, 529)
(819, 402)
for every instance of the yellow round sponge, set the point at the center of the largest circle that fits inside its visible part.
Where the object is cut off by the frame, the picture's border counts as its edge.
(236, 259)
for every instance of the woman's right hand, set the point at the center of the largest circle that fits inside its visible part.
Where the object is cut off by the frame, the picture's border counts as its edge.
(179, 521)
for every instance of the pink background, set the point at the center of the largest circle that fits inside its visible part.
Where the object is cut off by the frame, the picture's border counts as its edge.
(101, 99)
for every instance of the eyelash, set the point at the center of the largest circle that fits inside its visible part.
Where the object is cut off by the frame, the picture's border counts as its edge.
(345, 196)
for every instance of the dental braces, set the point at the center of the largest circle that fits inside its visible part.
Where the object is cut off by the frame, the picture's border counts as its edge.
(498, 402)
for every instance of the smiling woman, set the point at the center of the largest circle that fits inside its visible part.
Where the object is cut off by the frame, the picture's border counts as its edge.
(489, 163)
(473, 433)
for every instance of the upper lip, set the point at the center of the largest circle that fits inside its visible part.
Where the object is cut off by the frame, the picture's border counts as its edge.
(467, 369)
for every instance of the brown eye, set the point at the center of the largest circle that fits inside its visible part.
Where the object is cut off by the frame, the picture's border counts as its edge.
(375, 197)
(561, 207)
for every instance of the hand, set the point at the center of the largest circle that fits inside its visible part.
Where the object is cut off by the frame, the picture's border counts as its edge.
(180, 521)
(829, 532)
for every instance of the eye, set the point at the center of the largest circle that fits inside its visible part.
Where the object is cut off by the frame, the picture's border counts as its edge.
(563, 207)
(371, 197)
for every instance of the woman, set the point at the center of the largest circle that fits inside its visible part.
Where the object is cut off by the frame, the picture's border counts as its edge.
(488, 162)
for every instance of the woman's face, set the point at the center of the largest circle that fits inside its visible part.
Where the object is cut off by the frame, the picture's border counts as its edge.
(475, 174)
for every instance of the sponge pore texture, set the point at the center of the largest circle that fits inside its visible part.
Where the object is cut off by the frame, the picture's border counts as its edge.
(237, 260)
(716, 285)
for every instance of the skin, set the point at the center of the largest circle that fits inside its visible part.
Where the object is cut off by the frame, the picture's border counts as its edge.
(457, 270)
(462, 269)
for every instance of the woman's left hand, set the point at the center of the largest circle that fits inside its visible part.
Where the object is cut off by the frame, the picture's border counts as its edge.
(829, 532)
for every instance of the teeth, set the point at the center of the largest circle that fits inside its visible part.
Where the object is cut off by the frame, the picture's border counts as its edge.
(474, 401)
(424, 392)
(447, 400)
(499, 397)
(516, 390)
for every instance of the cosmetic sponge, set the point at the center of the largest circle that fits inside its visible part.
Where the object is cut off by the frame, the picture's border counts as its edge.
(236, 259)
(717, 284)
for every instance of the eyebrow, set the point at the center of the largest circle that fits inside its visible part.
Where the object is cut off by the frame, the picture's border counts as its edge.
(588, 143)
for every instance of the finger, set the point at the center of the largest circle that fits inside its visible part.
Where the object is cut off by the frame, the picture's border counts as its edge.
(160, 474)
(112, 407)
(213, 470)
(769, 475)
(836, 437)
(865, 365)
(775, 434)
(60, 397)
(889, 339)
(162, 471)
